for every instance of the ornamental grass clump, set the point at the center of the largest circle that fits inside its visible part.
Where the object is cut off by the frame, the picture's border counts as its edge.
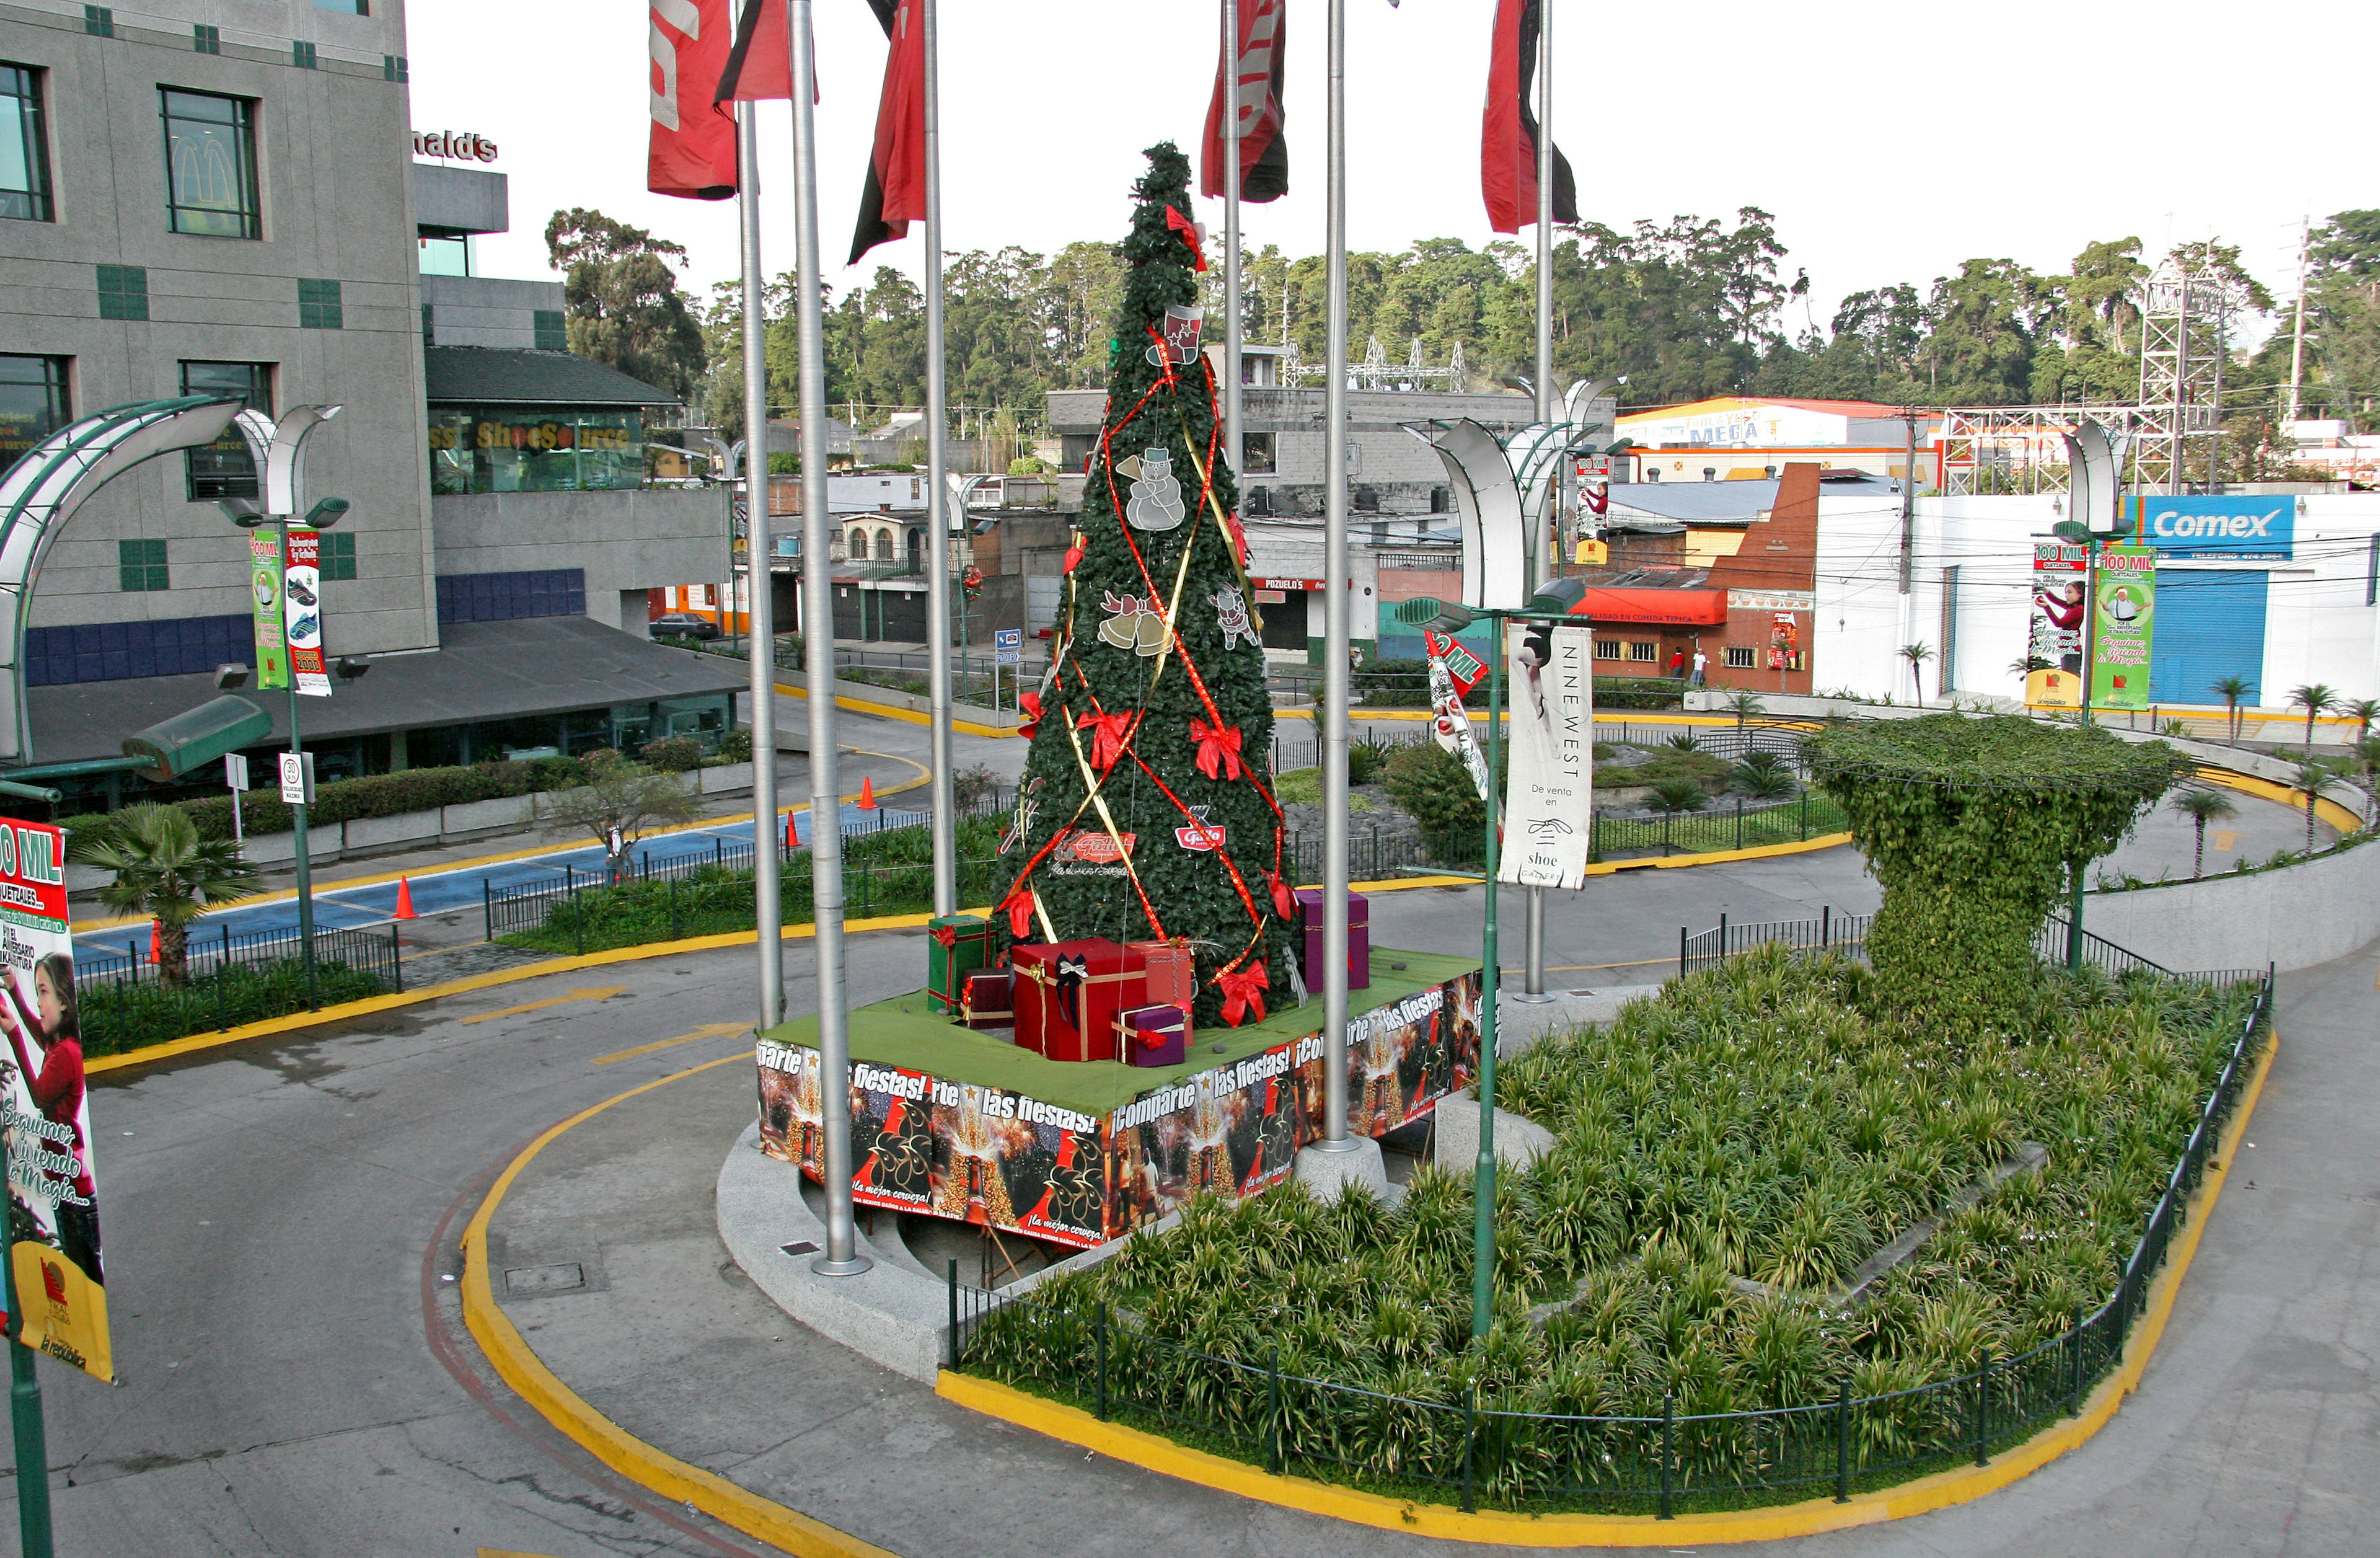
(1973, 825)
(1725, 1157)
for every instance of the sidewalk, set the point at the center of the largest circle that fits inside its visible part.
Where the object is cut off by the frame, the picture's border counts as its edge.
(2254, 1431)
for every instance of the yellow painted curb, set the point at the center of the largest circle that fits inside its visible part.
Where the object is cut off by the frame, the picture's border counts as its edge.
(1940, 1490)
(895, 711)
(1620, 716)
(2341, 819)
(605, 1440)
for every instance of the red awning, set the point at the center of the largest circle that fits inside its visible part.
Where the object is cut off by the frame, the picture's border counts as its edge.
(1683, 608)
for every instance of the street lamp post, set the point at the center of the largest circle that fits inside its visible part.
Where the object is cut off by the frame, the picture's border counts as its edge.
(2076, 530)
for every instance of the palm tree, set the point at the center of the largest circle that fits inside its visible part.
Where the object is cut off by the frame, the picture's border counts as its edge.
(2312, 777)
(1677, 794)
(2231, 689)
(2203, 807)
(163, 869)
(1917, 654)
(2363, 711)
(1741, 704)
(2314, 698)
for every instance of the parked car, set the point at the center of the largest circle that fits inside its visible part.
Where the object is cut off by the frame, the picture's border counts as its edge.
(683, 624)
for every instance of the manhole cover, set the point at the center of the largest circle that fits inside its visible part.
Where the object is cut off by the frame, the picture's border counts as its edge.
(562, 1277)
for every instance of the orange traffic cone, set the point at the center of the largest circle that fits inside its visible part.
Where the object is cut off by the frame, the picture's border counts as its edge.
(152, 941)
(867, 794)
(793, 840)
(405, 899)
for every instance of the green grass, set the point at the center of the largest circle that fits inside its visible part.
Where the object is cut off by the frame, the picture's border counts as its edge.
(1757, 1123)
(1303, 787)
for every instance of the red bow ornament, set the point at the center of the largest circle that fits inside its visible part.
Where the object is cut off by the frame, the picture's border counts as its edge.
(1218, 748)
(1178, 222)
(1284, 902)
(1029, 706)
(1019, 905)
(1107, 736)
(1244, 991)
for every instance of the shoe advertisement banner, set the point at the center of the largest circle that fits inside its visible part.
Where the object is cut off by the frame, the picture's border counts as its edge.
(271, 633)
(2123, 626)
(1549, 785)
(302, 602)
(60, 1286)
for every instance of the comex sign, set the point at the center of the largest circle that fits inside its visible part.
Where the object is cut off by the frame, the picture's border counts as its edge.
(2235, 530)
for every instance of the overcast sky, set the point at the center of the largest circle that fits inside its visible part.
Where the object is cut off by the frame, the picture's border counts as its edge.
(1889, 140)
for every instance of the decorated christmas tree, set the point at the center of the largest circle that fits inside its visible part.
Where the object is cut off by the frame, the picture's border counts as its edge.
(1146, 810)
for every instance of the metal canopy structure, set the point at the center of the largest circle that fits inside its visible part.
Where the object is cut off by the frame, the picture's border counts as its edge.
(2023, 448)
(2184, 322)
(42, 491)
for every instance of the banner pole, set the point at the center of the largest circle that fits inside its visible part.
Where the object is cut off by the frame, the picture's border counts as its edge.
(297, 840)
(1233, 432)
(938, 530)
(1533, 947)
(842, 1258)
(760, 640)
(1335, 605)
(1483, 1178)
(31, 1436)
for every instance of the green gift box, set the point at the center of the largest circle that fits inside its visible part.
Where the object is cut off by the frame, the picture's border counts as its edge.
(956, 945)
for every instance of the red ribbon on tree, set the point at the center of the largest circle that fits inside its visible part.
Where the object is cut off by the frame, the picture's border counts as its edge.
(1029, 706)
(1284, 902)
(1244, 991)
(1019, 905)
(1108, 735)
(1219, 748)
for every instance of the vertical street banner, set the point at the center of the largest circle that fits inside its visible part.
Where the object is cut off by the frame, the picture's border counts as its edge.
(301, 594)
(1550, 747)
(1453, 672)
(2054, 642)
(45, 1114)
(264, 576)
(2125, 610)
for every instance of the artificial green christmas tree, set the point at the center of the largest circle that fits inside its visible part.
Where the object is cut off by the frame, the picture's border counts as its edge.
(1146, 810)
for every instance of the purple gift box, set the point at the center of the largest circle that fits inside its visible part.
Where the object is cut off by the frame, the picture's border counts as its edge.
(1359, 939)
(1153, 1035)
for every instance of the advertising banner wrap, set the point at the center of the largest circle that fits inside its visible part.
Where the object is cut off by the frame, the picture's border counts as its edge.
(301, 592)
(1549, 788)
(1003, 1159)
(2054, 645)
(1453, 672)
(52, 1202)
(264, 581)
(2125, 624)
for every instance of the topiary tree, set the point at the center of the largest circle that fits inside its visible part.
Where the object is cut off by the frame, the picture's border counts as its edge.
(1972, 825)
(1146, 810)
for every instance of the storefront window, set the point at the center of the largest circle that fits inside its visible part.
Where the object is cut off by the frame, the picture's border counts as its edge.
(33, 403)
(543, 449)
(446, 254)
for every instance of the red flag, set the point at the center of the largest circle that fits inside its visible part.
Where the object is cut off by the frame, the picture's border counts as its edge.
(895, 193)
(692, 152)
(1508, 131)
(1264, 154)
(761, 63)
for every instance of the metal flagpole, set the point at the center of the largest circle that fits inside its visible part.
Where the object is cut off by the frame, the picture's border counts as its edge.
(1534, 983)
(842, 1258)
(1233, 433)
(938, 524)
(1334, 618)
(761, 645)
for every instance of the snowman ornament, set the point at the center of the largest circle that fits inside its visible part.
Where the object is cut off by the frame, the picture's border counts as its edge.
(1156, 493)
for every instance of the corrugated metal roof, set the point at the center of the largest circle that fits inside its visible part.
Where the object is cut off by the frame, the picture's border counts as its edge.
(524, 376)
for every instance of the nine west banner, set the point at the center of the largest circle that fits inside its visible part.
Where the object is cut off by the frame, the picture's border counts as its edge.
(44, 1115)
(1549, 791)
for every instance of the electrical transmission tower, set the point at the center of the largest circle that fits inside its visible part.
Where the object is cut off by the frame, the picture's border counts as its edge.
(2184, 317)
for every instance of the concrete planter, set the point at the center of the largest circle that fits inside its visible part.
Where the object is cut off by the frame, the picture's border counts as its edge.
(382, 832)
(486, 816)
(2293, 917)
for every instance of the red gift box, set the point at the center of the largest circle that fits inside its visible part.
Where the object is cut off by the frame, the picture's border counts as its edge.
(987, 1000)
(1068, 994)
(1172, 971)
(1154, 1035)
(1359, 939)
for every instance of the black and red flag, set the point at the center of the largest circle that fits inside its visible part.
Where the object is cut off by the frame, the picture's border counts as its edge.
(760, 65)
(895, 193)
(1508, 131)
(692, 151)
(1249, 79)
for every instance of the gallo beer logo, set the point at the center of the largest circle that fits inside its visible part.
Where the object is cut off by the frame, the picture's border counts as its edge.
(2242, 529)
(1094, 847)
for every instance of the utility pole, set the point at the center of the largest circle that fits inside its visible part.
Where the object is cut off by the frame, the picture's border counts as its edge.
(942, 823)
(1533, 983)
(2297, 332)
(761, 644)
(1335, 609)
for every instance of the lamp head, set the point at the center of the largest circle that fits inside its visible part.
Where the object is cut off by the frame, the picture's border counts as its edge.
(246, 513)
(2072, 531)
(326, 513)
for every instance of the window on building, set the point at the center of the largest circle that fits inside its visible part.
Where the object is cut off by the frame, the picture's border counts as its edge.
(1255, 453)
(535, 449)
(302, 55)
(33, 403)
(206, 40)
(552, 333)
(224, 469)
(1441, 500)
(348, 7)
(1606, 649)
(1644, 653)
(338, 556)
(140, 564)
(392, 67)
(211, 165)
(883, 546)
(318, 305)
(1740, 657)
(99, 21)
(24, 146)
(123, 292)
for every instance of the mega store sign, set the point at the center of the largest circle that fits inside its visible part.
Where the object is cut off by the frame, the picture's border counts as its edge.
(2238, 530)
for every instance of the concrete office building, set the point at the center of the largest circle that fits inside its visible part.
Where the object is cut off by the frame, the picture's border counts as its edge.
(188, 205)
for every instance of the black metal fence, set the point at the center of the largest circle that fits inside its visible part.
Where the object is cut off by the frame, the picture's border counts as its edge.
(1102, 1360)
(1847, 933)
(373, 950)
(229, 977)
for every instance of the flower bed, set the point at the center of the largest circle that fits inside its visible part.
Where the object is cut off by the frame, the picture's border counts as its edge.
(1673, 1315)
